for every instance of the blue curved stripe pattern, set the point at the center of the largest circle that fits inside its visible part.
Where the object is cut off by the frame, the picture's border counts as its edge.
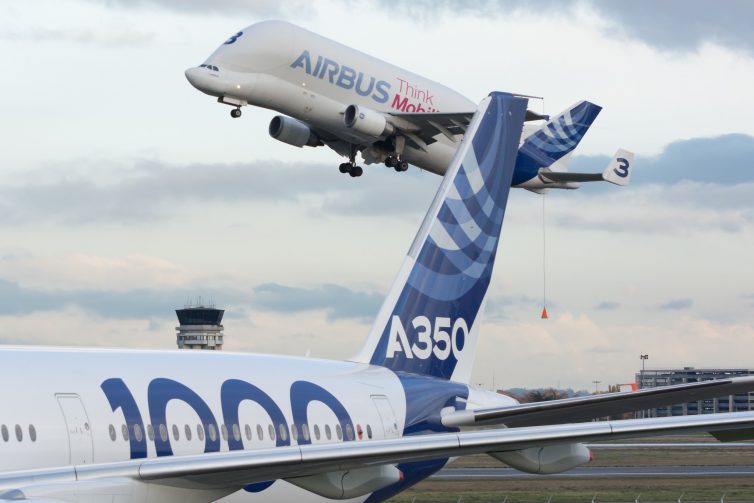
(453, 265)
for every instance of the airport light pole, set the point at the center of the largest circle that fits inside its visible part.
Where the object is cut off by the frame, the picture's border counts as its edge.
(596, 384)
(644, 358)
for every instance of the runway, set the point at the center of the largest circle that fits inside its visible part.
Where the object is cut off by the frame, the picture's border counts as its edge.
(505, 473)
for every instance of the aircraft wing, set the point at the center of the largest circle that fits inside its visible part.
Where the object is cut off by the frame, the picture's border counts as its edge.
(207, 477)
(425, 126)
(589, 407)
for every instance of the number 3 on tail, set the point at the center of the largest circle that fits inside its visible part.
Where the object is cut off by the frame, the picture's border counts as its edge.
(622, 169)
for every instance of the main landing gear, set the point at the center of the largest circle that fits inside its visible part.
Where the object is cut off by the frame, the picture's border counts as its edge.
(394, 162)
(350, 167)
(236, 113)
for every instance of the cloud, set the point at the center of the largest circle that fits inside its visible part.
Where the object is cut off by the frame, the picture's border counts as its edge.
(677, 304)
(504, 307)
(607, 306)
(108, 38)
(139, 303)
(91, 272)
(337, 301)
(722, 160)
(682, 25)
(669, 25)
(264, 8)
(150, 190)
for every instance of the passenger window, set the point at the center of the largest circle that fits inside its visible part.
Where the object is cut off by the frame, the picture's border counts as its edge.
(339, 432)
(328, 433)
(150, 433)
(224, 431)
(4, 430)
(163, 433)
(138, 434)
(283, 433)
(316, 432)
(111, 428)
(349, 431)
(200, 432)
(124, 431)
(32, 433)
(305, 431)
(294, 432)
(19, 433)
(236, 433)
(248, 432)
(187, 429)
(272, 432)
(175, 432)
(369, 431)
(212, 432)
(260, 432)
(359, 432)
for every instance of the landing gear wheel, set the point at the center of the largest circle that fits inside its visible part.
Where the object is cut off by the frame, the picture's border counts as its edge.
(391, 161)
(402, 166)
(235, 113)
(356, 171)
(345, 167)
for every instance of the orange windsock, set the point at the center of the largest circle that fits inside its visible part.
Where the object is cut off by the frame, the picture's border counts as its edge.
(544, 313)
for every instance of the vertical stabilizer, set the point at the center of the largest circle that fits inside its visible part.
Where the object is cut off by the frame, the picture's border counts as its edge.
(554, 140)
(429, 321)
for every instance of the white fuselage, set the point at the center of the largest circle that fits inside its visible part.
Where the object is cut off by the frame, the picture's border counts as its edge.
(76, 406)
(282, 67)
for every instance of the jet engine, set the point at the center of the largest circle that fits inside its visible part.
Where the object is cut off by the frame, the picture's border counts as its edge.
(367, 122)
(546, 460)
(293, 132)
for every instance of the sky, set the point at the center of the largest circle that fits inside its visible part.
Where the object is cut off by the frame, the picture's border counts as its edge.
(126, 193)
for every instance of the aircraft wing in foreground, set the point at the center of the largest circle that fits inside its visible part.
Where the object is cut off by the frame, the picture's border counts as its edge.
(338, 471)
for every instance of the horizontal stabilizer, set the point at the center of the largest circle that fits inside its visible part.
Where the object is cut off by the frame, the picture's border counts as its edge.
(585, 408)
(618, 171)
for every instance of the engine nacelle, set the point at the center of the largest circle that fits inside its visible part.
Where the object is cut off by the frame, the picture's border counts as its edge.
(349, 483)
(367, 122)
(546, 460)
(292, 132)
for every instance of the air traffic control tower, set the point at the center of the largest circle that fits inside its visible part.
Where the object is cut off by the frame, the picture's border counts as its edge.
(200, 327)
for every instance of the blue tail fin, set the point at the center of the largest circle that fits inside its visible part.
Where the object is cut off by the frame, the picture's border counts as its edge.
(429, 320)
(555, 139)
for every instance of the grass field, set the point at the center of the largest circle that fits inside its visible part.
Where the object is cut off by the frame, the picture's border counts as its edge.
(618, 490)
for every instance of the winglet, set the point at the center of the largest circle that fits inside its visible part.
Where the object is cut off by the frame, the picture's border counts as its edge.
(619, 169)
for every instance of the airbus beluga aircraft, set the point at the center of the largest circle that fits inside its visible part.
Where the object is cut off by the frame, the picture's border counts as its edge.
(333, 95)
(116, 426)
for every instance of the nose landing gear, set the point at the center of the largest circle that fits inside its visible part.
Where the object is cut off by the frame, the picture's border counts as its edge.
(236, 113)
(350, 167)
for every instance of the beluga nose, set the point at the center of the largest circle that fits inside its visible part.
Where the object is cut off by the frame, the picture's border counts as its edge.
(194, 76)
